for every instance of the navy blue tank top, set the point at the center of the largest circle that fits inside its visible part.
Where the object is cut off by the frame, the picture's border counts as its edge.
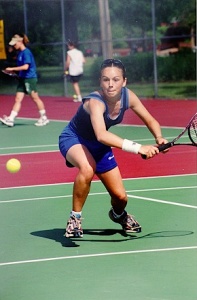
(81, 123)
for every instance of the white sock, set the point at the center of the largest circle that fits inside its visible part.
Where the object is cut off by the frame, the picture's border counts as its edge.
(116, 216)
(13, 115)
(79, 98)
(77, 214)
(42, 112)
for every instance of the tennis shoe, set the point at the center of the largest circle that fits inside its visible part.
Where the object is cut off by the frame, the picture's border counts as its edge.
(128, 223)
(6, 121)
(73, 228)
(42, 121)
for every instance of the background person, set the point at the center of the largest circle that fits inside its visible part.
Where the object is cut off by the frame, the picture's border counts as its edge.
(27, 81)
(87, 144)
(74, 66)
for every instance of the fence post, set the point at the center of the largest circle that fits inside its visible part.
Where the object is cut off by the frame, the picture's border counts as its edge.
(154, 49)
(64, 46)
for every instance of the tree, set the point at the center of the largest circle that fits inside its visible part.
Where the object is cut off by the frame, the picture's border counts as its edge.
(130, 20)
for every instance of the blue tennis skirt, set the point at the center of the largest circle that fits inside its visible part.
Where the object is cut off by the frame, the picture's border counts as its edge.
(102, 154)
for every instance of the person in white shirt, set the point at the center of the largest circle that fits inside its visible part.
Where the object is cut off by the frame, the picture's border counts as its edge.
(74, 67)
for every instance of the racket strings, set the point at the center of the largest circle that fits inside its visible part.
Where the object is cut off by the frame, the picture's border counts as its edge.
(193, 130)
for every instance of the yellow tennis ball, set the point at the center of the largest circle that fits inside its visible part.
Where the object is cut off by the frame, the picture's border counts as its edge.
(13, 165)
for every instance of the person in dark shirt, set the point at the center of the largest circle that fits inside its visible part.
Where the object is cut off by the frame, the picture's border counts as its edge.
(87, 144)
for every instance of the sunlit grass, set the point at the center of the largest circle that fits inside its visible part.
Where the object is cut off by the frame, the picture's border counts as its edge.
(170, 90)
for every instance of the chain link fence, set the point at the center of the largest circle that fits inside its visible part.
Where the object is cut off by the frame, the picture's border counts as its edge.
(149, 52)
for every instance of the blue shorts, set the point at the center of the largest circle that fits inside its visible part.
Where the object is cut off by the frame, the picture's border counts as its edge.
(102, 154)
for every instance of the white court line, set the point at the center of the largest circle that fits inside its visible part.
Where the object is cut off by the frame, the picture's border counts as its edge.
(162, 201)
(30, 152)
(95, 255)
(118, 125)
(27, 147)
(51, 120)
(96, 181)
(56, 145)
(105, 193)
(46, 146)
(66, 121)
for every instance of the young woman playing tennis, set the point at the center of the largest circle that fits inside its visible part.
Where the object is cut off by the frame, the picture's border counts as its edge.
(27, 83)
(87, 144)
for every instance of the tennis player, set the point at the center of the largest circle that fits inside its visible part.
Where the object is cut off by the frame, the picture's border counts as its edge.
(87, 144)
(74, 65)
(27, 83)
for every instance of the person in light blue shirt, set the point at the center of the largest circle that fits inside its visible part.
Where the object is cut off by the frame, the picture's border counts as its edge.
(27, 83)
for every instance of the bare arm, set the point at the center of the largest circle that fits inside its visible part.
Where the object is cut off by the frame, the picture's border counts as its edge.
(21, 68)
(151, 123)
(96, 110)
(68, 59)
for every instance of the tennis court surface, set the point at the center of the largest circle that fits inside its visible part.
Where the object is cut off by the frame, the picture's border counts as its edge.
(38, 262)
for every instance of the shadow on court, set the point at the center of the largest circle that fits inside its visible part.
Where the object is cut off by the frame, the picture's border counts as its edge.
(17, 125)
(57, 234)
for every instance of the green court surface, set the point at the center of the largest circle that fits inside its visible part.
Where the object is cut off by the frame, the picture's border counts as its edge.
(25, 138)
(38, 262)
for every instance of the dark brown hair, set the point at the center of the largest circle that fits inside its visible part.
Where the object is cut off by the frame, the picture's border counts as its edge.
(114, 62)
(24, 36)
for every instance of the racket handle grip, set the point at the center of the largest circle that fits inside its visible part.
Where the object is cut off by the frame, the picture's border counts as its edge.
(165, 146)
(161, 148)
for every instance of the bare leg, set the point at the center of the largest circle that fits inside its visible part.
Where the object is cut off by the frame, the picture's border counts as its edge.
(35, 97)
(113, 183)
(81, 189)
(9, 121)
(76, 88)
(86, 165)
(18, 100)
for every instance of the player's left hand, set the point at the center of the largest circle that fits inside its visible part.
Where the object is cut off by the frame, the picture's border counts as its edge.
(148, 151)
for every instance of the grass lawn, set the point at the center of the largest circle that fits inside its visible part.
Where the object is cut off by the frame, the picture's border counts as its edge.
(170, 90)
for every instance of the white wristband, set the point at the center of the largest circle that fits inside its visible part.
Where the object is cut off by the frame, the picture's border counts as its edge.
(131, 146)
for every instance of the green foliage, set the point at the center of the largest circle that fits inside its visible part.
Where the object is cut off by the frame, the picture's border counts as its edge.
(130, 22)
(82, 17)
(47, 55)
(177, 67)
(139, 67)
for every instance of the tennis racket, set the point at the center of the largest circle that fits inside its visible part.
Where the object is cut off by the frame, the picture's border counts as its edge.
(191, 129)
(10, 73)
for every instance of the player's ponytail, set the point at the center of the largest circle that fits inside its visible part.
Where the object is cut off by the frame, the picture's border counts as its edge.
(25, 39)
